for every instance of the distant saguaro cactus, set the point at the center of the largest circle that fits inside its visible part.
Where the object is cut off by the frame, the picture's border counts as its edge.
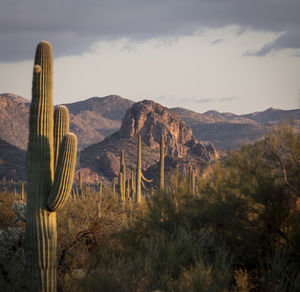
(80, 180)
(162, 164)
(139, 174)
(133, 183)
(48, 187)
(22, 191)
(122, 176)
(192, 179)
(100, 189)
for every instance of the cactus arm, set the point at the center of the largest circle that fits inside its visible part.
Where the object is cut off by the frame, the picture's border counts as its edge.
(61, 127)
(64, 173)
(145, 179)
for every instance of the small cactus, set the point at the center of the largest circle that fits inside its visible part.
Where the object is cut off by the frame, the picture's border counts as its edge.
(192, 179)
(162, 164)
(133, 183)
(22, 191)
(122, 176)
(80, 180)
(100, 189)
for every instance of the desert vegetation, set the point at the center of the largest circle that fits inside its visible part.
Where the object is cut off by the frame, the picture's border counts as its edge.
(236, 230)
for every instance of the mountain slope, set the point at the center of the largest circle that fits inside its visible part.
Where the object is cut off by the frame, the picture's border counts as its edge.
(14, 113)
(95, 118)
(12, 161)
(91, 120)
(227, 130)
(150, 120)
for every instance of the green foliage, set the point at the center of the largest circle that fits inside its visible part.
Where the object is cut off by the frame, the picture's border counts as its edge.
(238, 232)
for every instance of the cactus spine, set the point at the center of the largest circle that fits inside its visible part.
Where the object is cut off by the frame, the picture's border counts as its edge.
(48, 188)
(162, 164)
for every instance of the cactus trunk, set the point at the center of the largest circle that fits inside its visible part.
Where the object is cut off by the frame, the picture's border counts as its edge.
(22, 191)
(139, 172)
(100, 189)
(46, 191)
(122, 176)
(162, 164)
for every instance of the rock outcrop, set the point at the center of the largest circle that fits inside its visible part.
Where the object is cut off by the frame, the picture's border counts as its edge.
(151, 120)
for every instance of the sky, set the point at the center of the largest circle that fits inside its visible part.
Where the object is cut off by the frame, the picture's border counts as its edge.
(237, 56)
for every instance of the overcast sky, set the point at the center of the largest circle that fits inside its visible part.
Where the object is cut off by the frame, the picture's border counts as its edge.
(229, 55)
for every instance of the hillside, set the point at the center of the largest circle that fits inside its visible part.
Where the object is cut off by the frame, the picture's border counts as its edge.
(91, 120)
(150, 120)
(227, 130)
(12, 161)
(95, 118)
(14, 114)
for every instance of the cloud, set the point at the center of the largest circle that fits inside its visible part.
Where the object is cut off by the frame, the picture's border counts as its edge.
(73, 26)
(218, 41)
(221, 99)
(286, 40)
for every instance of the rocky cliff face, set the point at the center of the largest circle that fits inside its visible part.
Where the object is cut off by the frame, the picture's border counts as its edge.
(151, 120)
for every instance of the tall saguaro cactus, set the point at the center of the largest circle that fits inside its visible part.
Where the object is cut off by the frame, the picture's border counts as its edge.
(48, 187)
(139, 174)
(162, 164)
(122, 176)
(192, 179)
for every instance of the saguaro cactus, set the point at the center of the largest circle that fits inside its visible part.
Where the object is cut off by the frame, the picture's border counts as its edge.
(61, 127)
(162, 164)
(133, 182)
(80, 180)
(122, 176)
(139, 174)
(48, 187)
(22, 191)
(192, 179)
(100, 189)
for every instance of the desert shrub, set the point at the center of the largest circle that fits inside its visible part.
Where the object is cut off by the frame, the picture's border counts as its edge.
(7, 215)
(247, 208)
(239, 232)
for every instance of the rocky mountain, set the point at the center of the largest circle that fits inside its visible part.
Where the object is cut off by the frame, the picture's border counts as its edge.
(14, 113)
(12, 161)
(150, 120)
(96, 118)
(91, 120)
(227, 130)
